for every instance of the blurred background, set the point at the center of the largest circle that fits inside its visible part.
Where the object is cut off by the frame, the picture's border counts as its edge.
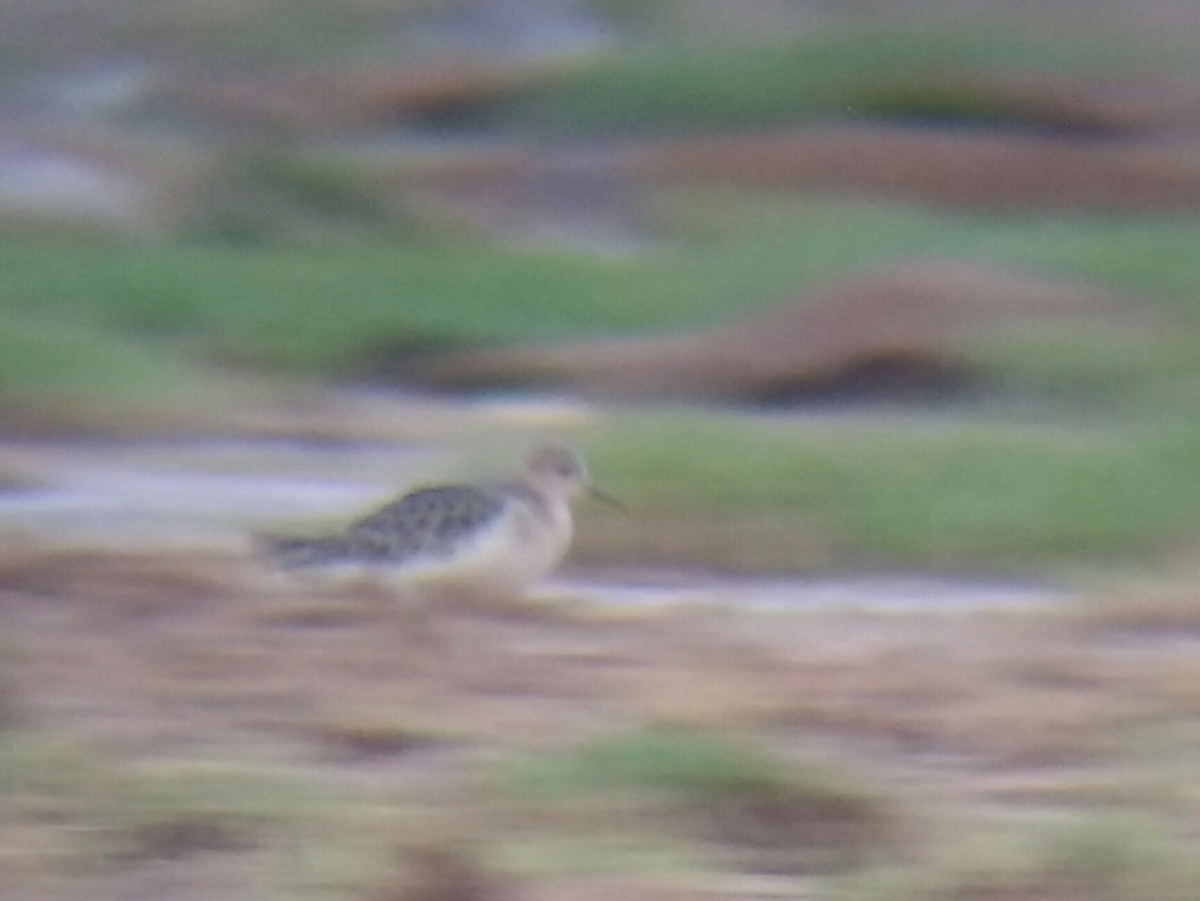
(882, 317)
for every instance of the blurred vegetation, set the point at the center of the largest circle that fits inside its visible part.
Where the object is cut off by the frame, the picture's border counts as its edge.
(212, 31)
(714, 787)
(82, 816)
(269, 195)
(320, 310)
(293, 263)
(1082, 450)
(913, 70)
(1098, 855)
(955, 492)
(669, 762)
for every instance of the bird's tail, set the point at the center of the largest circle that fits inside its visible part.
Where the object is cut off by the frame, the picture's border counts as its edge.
(293, 553)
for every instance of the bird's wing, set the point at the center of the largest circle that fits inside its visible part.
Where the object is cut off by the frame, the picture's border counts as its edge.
(429, 521)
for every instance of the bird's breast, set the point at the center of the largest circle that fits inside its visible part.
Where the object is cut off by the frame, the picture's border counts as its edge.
(509, 555)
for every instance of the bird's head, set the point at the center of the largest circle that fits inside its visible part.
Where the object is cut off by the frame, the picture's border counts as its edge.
(562, 472)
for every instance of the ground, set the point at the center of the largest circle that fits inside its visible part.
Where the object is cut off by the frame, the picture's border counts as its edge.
(178, 725)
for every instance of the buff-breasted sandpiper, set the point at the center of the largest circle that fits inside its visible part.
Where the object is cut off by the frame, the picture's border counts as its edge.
(486, 539)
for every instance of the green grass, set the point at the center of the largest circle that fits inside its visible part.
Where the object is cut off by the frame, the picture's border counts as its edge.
(675, 763)
(774, 242)
(963, 493)
(72, 376)
(88, 364)
(323, 310)
(854, 70)
(1086, 452)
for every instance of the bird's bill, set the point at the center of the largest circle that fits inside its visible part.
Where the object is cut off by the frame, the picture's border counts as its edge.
(605, 498)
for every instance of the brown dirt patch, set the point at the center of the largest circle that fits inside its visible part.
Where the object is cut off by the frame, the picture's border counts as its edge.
(1091, 105)
(1079, 144)
(984, 169)
(327, 99)
(899, 329)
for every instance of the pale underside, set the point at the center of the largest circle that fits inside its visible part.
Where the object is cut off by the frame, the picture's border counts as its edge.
(462, 540)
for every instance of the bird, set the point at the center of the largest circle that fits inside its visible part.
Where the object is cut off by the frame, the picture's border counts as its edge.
(487, 539)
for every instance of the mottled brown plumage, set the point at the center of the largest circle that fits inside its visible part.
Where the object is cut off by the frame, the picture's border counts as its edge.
(497, 537)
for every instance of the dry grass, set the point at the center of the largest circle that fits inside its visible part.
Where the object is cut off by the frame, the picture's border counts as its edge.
(441, 871)
(1096, 857)
(174, 717)
(1171, 609)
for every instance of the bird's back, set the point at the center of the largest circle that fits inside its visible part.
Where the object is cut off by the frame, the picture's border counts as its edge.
(428, 523)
